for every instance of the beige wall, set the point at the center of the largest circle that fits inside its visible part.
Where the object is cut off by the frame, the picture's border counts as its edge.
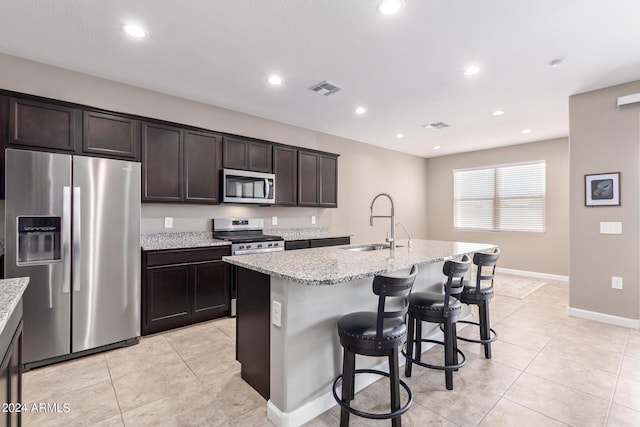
(364, 170)
(604, 138)
(546, 252)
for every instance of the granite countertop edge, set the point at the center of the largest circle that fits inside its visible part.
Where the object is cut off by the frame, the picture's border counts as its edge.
(11, 291)
(354, 265)
(184, 244)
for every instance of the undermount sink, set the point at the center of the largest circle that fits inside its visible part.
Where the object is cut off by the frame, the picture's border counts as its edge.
(370, 247)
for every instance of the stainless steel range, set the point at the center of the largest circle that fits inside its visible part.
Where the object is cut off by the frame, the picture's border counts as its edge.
(246, 236)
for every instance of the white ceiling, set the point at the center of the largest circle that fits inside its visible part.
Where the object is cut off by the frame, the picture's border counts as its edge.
(406, 69)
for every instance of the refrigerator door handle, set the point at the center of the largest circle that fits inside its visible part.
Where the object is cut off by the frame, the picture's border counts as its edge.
(66, 242)
(76, 239)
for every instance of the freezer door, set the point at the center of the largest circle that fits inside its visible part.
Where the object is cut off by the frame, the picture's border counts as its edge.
(38, 197)
(106, 252)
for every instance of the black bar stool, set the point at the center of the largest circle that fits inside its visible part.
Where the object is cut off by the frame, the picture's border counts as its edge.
(379, 333)
(443, 308)
(480, 293)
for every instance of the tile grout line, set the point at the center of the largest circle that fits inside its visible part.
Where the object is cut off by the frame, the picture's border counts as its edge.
(615, 385)
(115, 393)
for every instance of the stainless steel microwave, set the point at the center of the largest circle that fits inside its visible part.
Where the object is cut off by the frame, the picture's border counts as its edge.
(240, 186)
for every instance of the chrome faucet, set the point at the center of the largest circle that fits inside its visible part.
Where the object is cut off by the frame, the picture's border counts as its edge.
(391, 240)
(406, 231)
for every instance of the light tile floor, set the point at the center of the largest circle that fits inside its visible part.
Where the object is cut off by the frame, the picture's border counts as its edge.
(547, 369)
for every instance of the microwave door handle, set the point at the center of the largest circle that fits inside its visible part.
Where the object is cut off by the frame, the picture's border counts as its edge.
(266, 188)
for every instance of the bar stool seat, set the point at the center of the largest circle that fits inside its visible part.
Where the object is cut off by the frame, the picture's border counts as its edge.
(441, 308)
(380, 333)
(480, 293)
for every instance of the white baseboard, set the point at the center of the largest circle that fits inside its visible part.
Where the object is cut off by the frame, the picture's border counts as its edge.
(537, 275)
(312, 409)
(604, 318)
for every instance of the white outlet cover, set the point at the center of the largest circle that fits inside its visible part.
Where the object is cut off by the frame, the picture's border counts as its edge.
(274, 220)
(168, 222)
(276, 313)
(616, 282)
(313, 219)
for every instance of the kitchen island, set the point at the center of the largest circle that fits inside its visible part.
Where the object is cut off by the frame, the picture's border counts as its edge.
(288, 307)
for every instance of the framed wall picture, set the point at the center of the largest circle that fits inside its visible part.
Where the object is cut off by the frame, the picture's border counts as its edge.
(602, 189)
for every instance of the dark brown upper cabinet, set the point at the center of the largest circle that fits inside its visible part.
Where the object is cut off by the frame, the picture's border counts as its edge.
(201, 167)
(245, 154)
(285, 161)
(161, 163)
(317, 179)
(179, 165)
(42, 125)
(4, 137)
(111, 135)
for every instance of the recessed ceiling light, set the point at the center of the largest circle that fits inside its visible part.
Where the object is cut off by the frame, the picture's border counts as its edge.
(400, 135)
(497, 113)
(134, 31)
(436, 147)
(526, 131)
(471, 71)
(275, 80)
(436, 125)
(361, 110)
(389, 7)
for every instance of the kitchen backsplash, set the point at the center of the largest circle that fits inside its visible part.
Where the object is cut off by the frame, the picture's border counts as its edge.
(198, 217)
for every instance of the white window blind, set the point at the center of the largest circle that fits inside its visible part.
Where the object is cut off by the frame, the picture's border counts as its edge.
(500, 198)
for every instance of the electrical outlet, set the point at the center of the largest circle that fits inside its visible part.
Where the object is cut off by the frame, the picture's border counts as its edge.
(616, 282)
(276, 313)
(610, 228)
(168, 222)
(313, 219)
(274, 220)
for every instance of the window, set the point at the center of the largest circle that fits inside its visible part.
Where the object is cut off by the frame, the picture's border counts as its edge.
(500, 198)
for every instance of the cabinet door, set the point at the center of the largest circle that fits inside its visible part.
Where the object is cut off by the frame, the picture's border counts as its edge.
(201, 167)
(5, 386)
(4, 137)
(260, 155)
(235, 153)
(161, 163)
(167, 298)
(328, 181)
(245, 154)
(37, 124)
(284, 167)
(15, 375)
(308, 183)
(110, 135)
(210, 290)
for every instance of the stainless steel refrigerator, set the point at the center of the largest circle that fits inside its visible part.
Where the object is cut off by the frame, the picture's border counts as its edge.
(72, 224)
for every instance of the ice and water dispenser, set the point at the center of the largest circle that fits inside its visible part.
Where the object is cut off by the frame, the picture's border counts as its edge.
(39, 239)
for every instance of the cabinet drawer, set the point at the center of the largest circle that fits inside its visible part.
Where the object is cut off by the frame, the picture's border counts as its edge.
(331, 241)
(180, 256)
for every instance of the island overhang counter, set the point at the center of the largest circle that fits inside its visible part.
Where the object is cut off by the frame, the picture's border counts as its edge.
(288, 306)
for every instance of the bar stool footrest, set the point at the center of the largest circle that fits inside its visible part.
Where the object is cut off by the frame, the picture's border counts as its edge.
(384, 416)
(494, 334)
(439, 367)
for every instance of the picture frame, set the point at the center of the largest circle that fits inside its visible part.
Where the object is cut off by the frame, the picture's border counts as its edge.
(602, 189)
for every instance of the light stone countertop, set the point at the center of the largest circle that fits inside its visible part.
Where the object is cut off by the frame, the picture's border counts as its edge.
(11, 291)
(179, 240)
(335, 264)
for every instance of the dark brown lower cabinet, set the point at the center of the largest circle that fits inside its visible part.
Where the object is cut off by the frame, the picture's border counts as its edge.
(11, 376)
(316, 243)
(185, 286)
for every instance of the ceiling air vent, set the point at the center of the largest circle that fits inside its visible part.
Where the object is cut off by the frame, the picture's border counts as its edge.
(436, 125)
(325, 88)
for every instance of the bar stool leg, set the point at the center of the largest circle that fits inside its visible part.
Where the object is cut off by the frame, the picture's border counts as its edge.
(485, 331)
(409, 352)
(450, 354)
(418, 340)
(348, 379)
(394, 381)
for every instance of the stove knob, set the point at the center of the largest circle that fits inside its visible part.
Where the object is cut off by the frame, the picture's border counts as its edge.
(259, 245)
(241, 247)
(270, 244)
(248, 246)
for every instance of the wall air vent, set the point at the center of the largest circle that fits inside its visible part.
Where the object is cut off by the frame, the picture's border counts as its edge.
(436, 125)
(325, 88)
